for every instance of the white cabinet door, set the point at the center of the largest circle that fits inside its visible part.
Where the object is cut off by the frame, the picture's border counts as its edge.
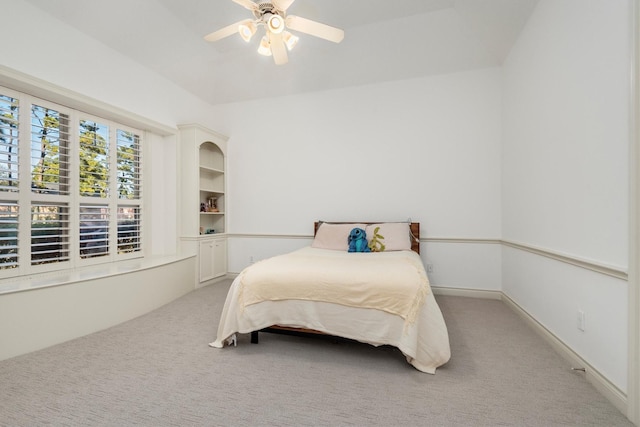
(219, 257)
(205, 258)
(212, 258)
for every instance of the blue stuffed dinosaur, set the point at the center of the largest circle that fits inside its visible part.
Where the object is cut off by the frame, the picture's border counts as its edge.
(358, 241)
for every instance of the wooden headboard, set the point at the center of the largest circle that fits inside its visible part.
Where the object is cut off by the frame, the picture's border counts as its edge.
(414, 227)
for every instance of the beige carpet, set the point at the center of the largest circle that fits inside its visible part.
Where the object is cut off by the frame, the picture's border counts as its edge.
(157, 370)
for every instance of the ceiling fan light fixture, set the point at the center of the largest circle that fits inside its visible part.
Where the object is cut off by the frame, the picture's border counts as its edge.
(275, 24)
(277, 40)
(247, 30)
(290, 40)
(264, 48)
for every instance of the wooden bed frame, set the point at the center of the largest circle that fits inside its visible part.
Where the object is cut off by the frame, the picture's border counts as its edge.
(414, 227)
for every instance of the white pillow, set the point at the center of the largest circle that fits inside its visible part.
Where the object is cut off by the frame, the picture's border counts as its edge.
(334, 236)
(397, 235)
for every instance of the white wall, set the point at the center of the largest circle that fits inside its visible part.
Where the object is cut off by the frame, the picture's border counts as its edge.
(35, 319)
(161, 194)
(425, 148)
(45, 48)
(565, 173)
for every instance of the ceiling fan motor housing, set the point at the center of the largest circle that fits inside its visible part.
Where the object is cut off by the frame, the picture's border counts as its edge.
(266, 8)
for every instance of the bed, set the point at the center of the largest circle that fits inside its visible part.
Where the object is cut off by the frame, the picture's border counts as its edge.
(378, 298)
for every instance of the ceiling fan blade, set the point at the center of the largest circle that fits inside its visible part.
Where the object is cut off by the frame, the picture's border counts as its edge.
(314, 28)
(225, 32)
(247, 3)
(278, 49)
(282, 5)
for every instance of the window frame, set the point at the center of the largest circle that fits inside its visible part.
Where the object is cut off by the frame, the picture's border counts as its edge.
(25, 198)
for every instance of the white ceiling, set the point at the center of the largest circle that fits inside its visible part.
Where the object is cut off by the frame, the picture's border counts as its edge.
(384, 40)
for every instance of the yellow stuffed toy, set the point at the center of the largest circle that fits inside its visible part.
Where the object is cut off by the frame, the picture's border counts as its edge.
(375, 244)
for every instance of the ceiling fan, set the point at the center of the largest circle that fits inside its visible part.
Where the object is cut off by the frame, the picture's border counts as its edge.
(272, 15)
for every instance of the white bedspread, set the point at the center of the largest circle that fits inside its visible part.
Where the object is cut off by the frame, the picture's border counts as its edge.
(422, 337)
(394, 282)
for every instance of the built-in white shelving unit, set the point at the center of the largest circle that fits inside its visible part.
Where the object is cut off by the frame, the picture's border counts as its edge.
(203, 190)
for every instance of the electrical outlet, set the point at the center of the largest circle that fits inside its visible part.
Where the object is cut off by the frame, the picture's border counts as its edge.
(581, 320)
(429, 268)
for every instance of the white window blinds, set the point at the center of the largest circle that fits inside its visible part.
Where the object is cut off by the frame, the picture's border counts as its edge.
(49, 151)
(9, 146)
(94, 159)
(94, 230)
(8, 235)
(49, 233)
(129, 165)
(70, 187)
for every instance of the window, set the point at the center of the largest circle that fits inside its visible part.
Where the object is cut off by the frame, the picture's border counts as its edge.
(8, 143)
(49, 233)
(128, 229)
(8, 235)
(9, 110)
(49, 151)
(94, 159)
(70, 187)
(94, 231)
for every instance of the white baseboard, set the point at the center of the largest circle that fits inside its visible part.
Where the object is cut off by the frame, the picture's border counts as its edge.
(609, 390)
(465, 292)
(215, 280)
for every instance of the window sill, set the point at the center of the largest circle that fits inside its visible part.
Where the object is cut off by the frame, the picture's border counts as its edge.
(67, 277)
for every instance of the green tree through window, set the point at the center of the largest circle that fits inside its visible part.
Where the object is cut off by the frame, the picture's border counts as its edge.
(128, 165)
(94, 159)
(49, 151)
(8, 143)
